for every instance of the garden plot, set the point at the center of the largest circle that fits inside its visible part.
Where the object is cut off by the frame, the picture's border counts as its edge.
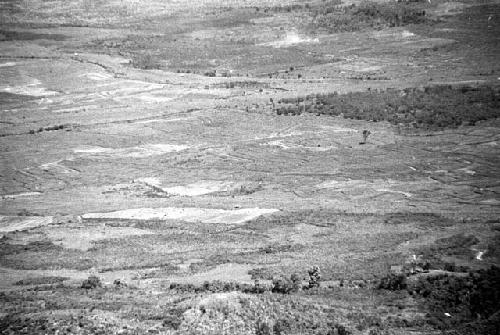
(132, 152)
(190, 190)
(365, 187)
(289, 146)
(204, 215)
(58, 167)
(82, 237)
(223, 272)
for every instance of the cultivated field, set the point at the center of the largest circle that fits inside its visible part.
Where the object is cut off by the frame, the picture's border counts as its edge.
(249, 167)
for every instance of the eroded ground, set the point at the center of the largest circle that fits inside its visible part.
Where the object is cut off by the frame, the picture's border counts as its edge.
(145, 144)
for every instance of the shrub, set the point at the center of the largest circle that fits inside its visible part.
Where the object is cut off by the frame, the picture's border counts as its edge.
(282, 285)
(281, 326)
(172, 321)
(314, 276)
(393, 282)
(91, 283)
(145, 62)
(296, 282)
(337, 329)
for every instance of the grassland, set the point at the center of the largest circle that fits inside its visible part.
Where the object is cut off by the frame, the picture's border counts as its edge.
(139, 140)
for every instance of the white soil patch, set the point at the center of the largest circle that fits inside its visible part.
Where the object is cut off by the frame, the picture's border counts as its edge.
(158, 98)
(280, 135)
(184, 266)
(200, 188)
(21, 195)
(190, 190)
(479, 255)
(82, 238)
(406, 34)
(189, 214)
(391, 33)
(279, 143)
(291, 38)
(34, 88)
(467, 171)
(150, 181)
(335, 184)
(290, 146)
(492, 202)
(361, 67)
(97, 76)
(379, 185)
(406, 194)
(338, 129)
(195, 189)
(132, 152)
(8, 64)
(57, 167)
(164, 120)
(128, 87)
(18, 223)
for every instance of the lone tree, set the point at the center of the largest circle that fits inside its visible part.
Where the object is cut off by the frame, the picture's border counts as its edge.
(314, 276)
(366, 133)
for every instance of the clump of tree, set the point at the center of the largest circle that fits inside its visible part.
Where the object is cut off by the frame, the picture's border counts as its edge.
(432, 108)
(367, 15)
(471, 303)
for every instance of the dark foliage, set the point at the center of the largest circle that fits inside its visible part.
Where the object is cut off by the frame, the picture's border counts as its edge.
(372, 15)
(455, 245)
(91, 283)
(434, 108)
(393, 282)
(282, 285)
(41, 280)
(473, 301)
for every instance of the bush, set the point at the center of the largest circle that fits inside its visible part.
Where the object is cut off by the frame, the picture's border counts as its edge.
(314, 276)
(393, 282)
(337, 329)
(91, 283)
(282, 285)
